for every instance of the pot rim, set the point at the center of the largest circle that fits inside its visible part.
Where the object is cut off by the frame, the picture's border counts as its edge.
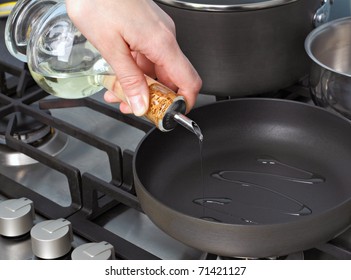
(237, 5)
(311, 37)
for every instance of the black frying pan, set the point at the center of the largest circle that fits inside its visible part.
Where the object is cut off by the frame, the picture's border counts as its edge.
(276, 178)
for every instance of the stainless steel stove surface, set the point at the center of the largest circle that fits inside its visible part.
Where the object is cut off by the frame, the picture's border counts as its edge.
(130, 224)
(66, 174)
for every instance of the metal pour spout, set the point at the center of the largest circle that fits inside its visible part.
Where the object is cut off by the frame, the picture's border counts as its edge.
(188, 124)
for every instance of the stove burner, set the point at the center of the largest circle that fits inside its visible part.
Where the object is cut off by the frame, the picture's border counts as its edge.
(32, 132)
(52, 143)
(28, 130)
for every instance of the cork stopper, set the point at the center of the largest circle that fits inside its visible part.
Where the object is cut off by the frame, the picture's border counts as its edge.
(163, 102)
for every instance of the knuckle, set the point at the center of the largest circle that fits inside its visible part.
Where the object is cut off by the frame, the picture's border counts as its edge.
(197, 83)
(165, 34)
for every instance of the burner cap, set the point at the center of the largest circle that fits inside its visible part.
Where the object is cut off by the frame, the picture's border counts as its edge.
(27, 129)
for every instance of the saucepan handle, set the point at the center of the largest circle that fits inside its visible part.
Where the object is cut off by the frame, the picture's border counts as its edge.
(322, 14)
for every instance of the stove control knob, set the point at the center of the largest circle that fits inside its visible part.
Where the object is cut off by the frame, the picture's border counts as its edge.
(16, 217)
(94, 251)
(51, 239)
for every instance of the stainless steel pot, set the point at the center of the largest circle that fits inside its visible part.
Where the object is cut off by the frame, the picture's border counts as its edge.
(329, 47)
(246, 47)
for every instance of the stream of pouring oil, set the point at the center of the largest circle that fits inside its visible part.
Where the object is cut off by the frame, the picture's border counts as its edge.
(200, 137)
(194, 127)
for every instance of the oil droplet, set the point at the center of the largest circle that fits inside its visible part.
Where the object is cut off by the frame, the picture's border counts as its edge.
(215, 204)
(309, 178)
(304, 211)
(212, 200)
(249, 221)
(210, 219)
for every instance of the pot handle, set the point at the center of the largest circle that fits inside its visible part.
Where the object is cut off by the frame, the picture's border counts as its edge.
(322, 14)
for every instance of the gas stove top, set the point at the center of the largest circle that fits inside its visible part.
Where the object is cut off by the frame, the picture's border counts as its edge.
(66, 175)
(90, 158)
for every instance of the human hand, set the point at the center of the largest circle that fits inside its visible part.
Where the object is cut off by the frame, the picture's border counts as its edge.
(136, 37)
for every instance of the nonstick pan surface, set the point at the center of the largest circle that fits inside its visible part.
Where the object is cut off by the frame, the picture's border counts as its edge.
(274, 178)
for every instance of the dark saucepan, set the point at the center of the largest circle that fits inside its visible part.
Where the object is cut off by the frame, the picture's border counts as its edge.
(245, 47)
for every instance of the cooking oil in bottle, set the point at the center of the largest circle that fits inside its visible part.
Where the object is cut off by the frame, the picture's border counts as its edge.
(68, 86)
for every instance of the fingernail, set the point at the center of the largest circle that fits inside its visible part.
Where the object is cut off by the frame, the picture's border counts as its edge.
(138, 105)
